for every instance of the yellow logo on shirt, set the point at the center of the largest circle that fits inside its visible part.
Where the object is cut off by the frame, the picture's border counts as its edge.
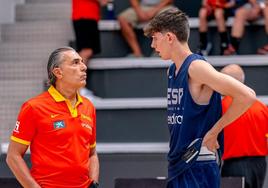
(86, 117)
(54, 115)
(87, 126)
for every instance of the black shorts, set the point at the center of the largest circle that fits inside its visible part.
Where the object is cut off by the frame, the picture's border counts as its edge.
(87, 35)
(252, 168)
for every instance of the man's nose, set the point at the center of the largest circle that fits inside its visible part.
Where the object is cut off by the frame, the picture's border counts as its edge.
(83, 66)
(152, 44)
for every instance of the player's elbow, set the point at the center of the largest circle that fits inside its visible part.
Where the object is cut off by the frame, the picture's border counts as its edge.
(250, 97)
(9, 159)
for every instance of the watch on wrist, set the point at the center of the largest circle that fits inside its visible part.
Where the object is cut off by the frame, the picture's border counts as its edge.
(94, 184)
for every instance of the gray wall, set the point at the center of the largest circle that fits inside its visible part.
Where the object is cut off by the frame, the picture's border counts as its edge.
(7, 10)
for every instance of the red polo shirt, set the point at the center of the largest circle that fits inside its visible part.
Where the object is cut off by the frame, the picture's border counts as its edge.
(246, 136)
(85, 9)
(216, 3)
(60, 138)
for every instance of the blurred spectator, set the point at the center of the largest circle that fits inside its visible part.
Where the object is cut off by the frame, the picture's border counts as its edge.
(249, 11)
(213, 9)
(85, 17)
(245, 140)
(141, 11)
(264, 6)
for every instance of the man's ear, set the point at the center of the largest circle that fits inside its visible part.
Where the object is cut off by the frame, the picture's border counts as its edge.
(57, 72)
(170, 37)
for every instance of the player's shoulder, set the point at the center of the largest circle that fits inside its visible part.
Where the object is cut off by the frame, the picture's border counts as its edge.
(38, 99)
(32, 103)
(260, 104)
(199, 59)
(87, 102)
(200, 65)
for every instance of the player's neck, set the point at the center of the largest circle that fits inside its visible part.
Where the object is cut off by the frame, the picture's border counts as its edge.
(180, 54)
(68, 93)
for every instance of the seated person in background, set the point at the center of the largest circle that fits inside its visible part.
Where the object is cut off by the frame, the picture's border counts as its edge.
(264, 6)
(85, 18)
(213, 9)
(245, 139)
(250, 11)
(141, 11)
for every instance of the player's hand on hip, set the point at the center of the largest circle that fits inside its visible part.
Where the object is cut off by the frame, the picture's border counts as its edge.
(211, 142)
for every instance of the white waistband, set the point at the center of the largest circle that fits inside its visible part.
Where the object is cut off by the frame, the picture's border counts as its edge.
(206, 155)
(205, 151)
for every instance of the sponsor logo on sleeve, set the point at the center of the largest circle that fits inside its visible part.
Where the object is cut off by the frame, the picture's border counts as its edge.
(17, 126)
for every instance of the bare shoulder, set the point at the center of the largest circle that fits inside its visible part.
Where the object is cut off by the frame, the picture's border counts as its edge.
(199, 63)
(200, 69)
(203, 73)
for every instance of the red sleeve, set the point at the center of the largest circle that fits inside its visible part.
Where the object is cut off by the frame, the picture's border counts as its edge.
(226, 102)
(25, 126)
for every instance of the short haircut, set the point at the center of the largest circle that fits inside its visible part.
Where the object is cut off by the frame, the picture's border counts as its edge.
(54, 60)
(172, 20)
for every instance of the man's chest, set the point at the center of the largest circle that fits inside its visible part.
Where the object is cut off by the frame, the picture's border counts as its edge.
(62, 124)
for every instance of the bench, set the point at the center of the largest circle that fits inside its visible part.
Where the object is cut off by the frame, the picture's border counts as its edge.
(113, 25)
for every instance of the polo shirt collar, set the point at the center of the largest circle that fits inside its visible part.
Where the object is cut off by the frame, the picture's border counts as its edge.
(59, 98)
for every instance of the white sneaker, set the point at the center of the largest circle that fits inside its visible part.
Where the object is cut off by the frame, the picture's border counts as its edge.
(88, 94)
(206, 51)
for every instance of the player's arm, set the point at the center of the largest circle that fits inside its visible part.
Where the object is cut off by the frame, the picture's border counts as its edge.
(18, 166)
(142, 15)
(204, 3)
(93, 158)
(253, 2)
(103, 2)
(135, 5)
(243, 96)
(94, 165)
(229, 4)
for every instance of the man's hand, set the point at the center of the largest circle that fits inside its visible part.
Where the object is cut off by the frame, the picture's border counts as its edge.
(146, 15)
(211, 142)
(103, 2)
(94, 185)
(152, 12)
(229, 4)
(143, 16)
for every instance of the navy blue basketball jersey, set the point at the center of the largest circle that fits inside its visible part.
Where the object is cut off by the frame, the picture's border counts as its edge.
(187, 120)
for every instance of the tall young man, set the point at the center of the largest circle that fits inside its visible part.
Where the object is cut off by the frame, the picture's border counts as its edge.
(194, 104)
